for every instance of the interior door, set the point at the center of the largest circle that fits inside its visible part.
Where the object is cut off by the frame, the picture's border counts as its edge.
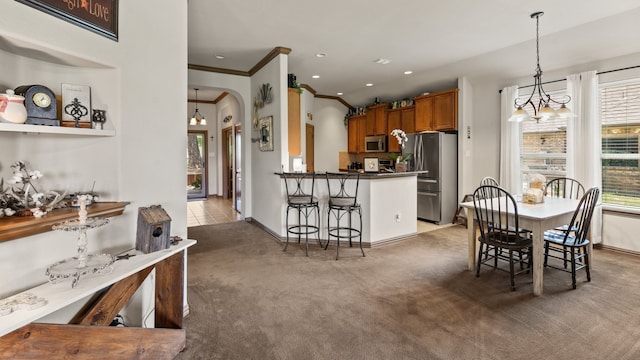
(196, 164)
(309, 147)
(237, 187)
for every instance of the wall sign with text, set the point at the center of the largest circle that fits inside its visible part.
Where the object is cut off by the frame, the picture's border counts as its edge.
(99, 16)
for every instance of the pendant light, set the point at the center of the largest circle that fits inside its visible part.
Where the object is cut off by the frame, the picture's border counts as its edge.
(542, 110)
(197, 118)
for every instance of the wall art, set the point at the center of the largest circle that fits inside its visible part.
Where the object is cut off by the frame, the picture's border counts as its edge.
(265, 127)
(99, 16)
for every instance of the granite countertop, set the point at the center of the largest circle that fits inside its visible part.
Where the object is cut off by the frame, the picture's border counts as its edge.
(374, 175)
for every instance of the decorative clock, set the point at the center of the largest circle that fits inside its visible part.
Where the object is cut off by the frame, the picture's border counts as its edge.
(41, 106)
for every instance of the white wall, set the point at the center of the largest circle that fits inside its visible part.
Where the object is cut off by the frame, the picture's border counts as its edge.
(267, 163)
(330, 133)
(142, 79)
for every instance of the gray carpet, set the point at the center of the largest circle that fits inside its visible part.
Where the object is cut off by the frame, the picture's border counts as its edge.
(409, 300)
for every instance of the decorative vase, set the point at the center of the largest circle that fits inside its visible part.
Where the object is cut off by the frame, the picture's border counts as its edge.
(401, 166)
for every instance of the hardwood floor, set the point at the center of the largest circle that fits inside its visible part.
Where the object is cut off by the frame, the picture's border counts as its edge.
(213, 210)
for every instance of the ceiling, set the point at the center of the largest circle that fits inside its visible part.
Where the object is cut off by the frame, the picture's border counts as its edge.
(437, 40)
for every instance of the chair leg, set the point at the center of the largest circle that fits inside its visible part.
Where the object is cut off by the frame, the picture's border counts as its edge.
(512, 271)
(306, 232)
(317, 213)
(573, 269)
(546, 253)
(328, 229)
(587, 254)
(286, 224)
(360, 234)
(479, 259)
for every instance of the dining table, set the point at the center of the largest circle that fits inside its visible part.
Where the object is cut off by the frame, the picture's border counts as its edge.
(537, 218)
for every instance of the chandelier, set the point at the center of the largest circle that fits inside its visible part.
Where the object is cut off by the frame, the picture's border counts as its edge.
(197, 118)
(542, 110)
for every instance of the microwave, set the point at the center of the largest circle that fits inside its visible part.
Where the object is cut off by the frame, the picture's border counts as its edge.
(375, 143)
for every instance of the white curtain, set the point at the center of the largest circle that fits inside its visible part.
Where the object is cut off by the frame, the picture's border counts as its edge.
(584, 143)
(509, 143)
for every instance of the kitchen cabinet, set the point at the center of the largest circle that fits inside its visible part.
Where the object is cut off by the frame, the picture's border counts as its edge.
(376, 120)
(402, 118)
(437, 112)
(357, 130)
(295, 133)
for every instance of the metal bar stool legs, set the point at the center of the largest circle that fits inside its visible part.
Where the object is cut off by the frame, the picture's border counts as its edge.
(301, 200)
(342, 204)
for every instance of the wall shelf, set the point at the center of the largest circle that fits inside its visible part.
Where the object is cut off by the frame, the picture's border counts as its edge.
(61, 130)
(15, 227)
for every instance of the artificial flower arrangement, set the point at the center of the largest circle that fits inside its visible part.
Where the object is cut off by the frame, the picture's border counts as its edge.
(401, 136)
(23, 198)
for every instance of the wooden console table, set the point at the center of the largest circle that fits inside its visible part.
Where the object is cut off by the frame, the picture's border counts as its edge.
(88, 335)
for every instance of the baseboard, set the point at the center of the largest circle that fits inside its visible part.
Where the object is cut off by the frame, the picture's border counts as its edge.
(613, 248)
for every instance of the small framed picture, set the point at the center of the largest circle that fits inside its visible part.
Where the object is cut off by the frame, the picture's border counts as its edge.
(76, 103)
(371, 165)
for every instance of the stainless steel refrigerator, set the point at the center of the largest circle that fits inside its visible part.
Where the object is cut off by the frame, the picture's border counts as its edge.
(436, 154)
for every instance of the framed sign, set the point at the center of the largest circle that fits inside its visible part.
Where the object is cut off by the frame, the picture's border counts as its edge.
(99, 16)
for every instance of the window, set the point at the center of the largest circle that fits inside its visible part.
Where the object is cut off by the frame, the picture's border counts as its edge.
(620, 116)
(543, 145)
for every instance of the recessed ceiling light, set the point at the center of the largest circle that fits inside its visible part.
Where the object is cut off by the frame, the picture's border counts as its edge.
(408, 72)
(382, 61)
(219, 57)
(340, 94)
(369, 84)
(316, 76)
(321, 55)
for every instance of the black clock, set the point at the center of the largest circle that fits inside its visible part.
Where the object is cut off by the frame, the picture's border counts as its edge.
(40, 102)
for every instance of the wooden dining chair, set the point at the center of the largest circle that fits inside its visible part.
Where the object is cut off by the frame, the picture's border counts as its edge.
(567, 188)
(488, 180)
(573, 244)
(498, 231)
(564, 188)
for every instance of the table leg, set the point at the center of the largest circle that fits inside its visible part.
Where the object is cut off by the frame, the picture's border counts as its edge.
(538, 254)
(471, 236)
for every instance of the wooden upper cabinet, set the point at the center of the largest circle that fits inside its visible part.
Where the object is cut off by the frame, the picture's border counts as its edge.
(437, 112)
(394, 121)
(445, 111)
(295, 133)
(407, 120)
(357, 129)
(377, 120)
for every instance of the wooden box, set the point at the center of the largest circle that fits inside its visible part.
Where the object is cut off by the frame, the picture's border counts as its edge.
(154, 229)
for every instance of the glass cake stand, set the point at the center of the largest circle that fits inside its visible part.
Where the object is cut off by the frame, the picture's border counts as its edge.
(83, 263)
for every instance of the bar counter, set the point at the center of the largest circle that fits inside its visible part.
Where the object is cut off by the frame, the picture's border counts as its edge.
(388, 201)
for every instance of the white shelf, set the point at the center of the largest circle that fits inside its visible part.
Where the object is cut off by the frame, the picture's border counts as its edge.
(61, 130)
(61, 294)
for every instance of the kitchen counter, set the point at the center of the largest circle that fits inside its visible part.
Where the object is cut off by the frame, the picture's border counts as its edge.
(381, 174)
(388, 201)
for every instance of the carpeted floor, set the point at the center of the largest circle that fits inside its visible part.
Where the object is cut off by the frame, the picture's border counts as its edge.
(414, 299)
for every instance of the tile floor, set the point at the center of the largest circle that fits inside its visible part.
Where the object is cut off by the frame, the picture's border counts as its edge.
(215, 210)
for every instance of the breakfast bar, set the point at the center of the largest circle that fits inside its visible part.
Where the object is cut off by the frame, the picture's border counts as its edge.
(388, 201)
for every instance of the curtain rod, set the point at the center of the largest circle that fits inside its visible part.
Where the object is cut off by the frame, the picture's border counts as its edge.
(597, 73)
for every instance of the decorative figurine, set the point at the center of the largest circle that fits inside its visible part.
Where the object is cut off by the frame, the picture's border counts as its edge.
(76, 110)
(100, 117)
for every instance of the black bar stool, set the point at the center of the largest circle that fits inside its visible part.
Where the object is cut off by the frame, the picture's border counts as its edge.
(341, 204)
(306, 205)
